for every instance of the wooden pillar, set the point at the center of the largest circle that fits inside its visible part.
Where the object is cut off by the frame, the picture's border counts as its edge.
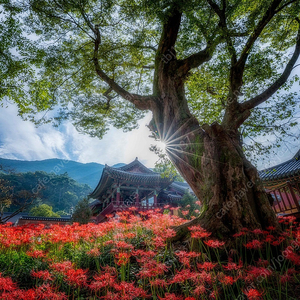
(147, 202)
(155, 199)
(287, 196)
(293, 195)
(279, 190)
(137, 198)
(278, 202)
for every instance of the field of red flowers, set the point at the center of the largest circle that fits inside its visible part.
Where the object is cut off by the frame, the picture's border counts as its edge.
(131, 258)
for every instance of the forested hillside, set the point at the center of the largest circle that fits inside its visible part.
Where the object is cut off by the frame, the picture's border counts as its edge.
(59, 191)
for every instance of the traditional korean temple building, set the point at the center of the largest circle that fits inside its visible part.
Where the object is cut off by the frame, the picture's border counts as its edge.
(133, 185)
(282, 182)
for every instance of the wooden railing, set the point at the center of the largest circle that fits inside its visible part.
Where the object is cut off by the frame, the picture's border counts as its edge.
(286, 198)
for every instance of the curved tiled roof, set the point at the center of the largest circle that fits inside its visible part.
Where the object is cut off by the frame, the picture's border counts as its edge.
(181, 186)
(282, 171)
(45, 219)
(112, 175)
(136, 165)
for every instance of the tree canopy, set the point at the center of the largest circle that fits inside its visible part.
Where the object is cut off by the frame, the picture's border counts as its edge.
(58, 191)
(97, 62)
(43, 210)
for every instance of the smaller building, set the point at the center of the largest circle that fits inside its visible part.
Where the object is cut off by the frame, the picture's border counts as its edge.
(133, 185)
(47, 221)
(282, 182)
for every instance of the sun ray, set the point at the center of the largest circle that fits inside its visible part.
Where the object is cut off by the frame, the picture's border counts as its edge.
(192, 154)
(184, 135)
(169, 130)
(178, 130)
(174, 154)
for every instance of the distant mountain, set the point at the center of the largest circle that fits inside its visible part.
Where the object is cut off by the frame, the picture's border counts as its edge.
(89, 173)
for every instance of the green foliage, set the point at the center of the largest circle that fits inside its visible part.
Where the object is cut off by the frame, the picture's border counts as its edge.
(57, 69)
(5, 195)
(164, 166)
(59, 191)
(188, 202)
(82, 212)
(43, 210)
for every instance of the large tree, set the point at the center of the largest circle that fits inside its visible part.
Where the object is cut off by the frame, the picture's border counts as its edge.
(208, 70)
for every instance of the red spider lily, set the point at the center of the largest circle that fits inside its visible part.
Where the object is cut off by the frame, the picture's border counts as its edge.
(190, 298)
(198, 203)
(241, 233)
(62, 267)
(184, 257)
(111, 296)
(285, 278)
(181, 276)
(291, 271)
(158, 282)
(271, 228)
(159, 242)
(185, 212)
(19, 295)
(278, 241)
(152, 268)
(295, 258)
(258, 231)
(255, 272)
(169, 296)
(94, 252)
(123, 245)
(253, 294)
(44, 275)
(129, 235)
(200, 234)
(122, 258)
(269, 238)
(202, 278)
(46, 292)
(6, 284)
(226, 280)
(168, 233)
(214, 244)
(129, 291)
(199, 290)
(214, 295)
(145, 255)
(102, 281)
(254, 244)
(76, 277)
(208, 266)
(111, 270)
(233, 266)
(36, 253)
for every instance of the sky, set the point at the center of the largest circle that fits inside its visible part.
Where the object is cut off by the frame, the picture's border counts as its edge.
(23, 141)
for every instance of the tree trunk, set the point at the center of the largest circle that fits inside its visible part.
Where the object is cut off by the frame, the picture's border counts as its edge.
(226, 183)
(211, 160)
(209, 157)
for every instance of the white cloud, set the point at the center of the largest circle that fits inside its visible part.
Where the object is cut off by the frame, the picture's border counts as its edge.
(22, 140)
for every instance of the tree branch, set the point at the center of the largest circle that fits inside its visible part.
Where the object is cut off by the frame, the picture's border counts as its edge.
(257, 31)
(223, 25)
(278, 83)
(141, 102)
(284, 5)
(195, 60)
(166, 44)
